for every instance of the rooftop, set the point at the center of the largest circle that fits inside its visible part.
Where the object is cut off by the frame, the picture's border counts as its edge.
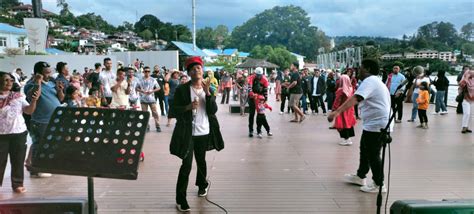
(6, 28)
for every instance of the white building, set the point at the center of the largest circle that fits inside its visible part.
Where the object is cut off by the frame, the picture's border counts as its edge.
(12, 37)
(426, 54)
(391, 56)
(300, 59)
(409, 55)
(447, 56)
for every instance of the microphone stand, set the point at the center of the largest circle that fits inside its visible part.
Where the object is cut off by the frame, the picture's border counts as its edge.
(385, 138)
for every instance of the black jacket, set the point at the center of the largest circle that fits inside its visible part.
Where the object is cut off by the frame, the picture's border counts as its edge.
(321, 86)
(182, 134)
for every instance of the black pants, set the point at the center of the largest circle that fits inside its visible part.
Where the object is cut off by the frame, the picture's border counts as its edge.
(284, 97)
(161, 101)
(422, 116)
(370, 147)
(317, 101)
(330, 96)
(109, 100)
(458, 108)
(262, 120)
(251, 114)
(199, 148)
(225, 95)
(356, 111)
(346, 133)
(15, 146)
(397, 106)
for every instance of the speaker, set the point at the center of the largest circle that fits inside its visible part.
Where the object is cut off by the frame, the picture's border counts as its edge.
(44, 205)
(432, 207)
(235, 108)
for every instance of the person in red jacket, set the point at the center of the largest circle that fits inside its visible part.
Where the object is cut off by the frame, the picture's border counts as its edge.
(345, 122)
(261, 119)
(258, 85)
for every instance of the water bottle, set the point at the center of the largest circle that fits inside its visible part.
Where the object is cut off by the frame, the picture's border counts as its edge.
(195, 111)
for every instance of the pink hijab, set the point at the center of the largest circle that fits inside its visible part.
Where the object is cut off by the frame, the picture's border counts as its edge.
(346, 85)
(468, 80)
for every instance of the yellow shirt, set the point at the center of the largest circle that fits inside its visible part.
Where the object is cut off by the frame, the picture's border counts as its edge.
(93, 102)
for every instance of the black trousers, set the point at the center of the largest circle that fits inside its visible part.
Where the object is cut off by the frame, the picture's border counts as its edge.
(370, 147)
(15, 146)
(422, 115)
(225, 95)
(161, 101)
(199, 148)
(284, 97)
(397, 106)
(262, 121)
(317, 101)
(251, 114)
(330, 96)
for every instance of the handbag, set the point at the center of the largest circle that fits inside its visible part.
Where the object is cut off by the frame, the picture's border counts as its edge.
(460, 96)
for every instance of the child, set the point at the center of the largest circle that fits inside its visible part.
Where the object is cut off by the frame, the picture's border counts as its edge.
(93, 100)
(423, 101)
(73, 97)
(261, 119)
(76, 81)
(344, 123)
(213, 81)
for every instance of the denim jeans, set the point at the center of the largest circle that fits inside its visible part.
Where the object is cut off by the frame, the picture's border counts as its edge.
(440, 101)
(304, 103)
(37, 132)
(414, 110)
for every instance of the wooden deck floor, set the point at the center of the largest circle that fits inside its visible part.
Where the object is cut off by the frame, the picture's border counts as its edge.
(298, 170)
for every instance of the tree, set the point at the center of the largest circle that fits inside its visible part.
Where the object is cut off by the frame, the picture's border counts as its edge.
(221, 35)
(467, 31)
(7, 4)
(149, 22)
(446, 33)
(279, 55)
(205, 38)
(288, 26)
(146, 34)
(126, 26)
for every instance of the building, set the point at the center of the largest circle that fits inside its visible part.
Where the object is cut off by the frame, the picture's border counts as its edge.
(12, 37)
(230, 55)
(391, 56)
(427, 54)
(409, 55)
(447, 56)
(28, 9)
(300, 59)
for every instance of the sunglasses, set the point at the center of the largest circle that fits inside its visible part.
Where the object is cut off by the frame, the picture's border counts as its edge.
(146, 71)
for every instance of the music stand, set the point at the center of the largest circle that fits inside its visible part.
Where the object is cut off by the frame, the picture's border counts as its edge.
(92, 142)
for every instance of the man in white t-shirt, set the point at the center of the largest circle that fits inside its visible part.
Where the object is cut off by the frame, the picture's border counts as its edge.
(106, 77)
(120, 90)
(373, 98)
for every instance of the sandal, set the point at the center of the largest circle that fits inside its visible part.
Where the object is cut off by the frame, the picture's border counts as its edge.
(19, 190)
(294, 121)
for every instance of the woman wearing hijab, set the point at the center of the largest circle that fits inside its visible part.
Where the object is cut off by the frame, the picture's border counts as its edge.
(345, 122)
(467, 85)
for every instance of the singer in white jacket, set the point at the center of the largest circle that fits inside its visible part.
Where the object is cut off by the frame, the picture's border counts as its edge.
(196, 131)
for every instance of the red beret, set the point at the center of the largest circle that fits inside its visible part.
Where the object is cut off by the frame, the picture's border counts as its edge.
(192, 61)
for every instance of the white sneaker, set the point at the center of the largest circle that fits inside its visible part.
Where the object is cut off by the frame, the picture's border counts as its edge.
(325, 114)
(343, 143)
(354, 179)
(41, 175)
(444, 112)
(259, 135)
(372, 188)
(281, 113)
(435, 113)
(270, 134)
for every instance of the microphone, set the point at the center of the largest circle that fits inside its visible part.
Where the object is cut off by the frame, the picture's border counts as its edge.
(196, 99)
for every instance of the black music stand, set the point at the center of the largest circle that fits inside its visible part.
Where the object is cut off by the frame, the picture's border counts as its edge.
(92, 142)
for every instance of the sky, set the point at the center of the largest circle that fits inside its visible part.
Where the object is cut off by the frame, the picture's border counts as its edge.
(387, 18)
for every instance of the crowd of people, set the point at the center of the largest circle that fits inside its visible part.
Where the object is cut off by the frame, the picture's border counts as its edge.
(346, 96)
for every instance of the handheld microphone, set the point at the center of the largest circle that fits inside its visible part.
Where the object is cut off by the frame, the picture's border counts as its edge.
(196, 99)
